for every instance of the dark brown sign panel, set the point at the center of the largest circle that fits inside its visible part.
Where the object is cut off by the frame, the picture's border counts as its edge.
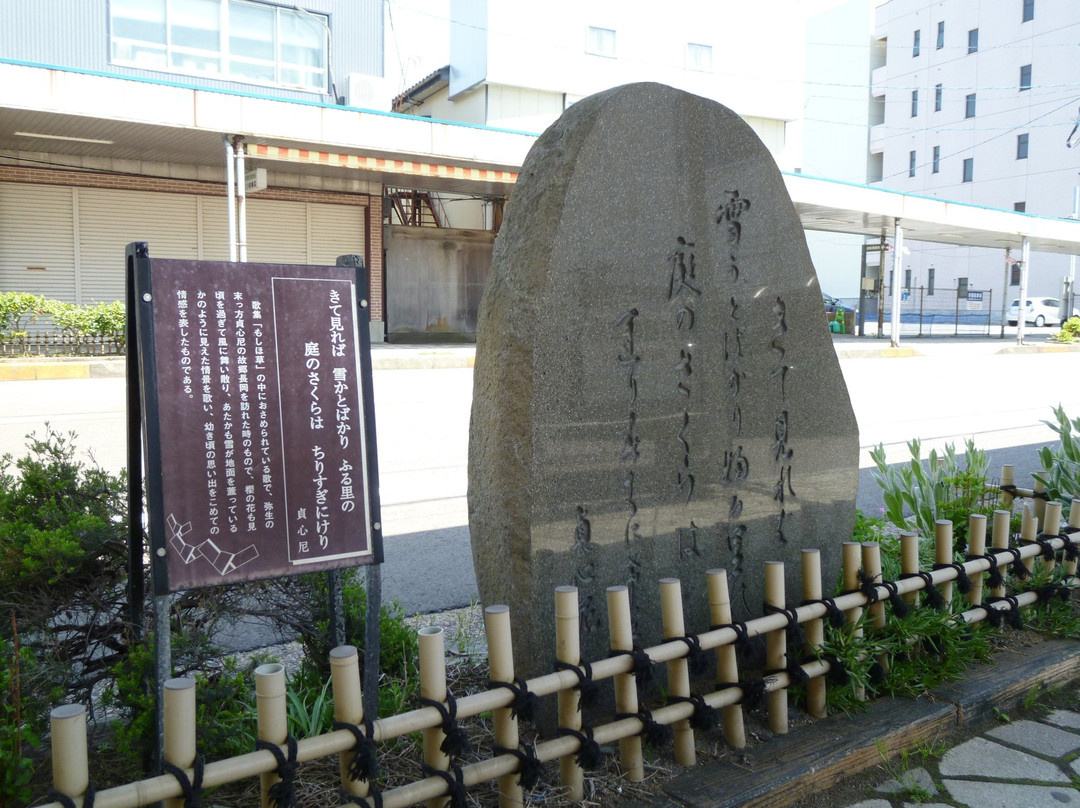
(254, 399)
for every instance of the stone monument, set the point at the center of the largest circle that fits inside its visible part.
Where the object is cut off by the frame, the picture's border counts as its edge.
(656, 391)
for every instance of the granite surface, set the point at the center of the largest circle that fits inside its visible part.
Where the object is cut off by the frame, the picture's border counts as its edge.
(656, 393)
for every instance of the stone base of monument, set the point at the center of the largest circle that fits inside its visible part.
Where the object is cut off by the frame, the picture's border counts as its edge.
(816, 756)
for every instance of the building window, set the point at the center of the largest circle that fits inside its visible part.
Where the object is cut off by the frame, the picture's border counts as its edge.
(937, 97)
(1020, 207)
(930, 281)
(600, 41)
(907, 279)
(1029, 11)
(969, 169)
(229, 39)
(962, 288)
(914, 103)
(940, 35)
(937, 160)
(1022, 146)
(1025, 78)
(915, 47)
(699, 57)
(973, 40)
(969, 106)
(911, 164)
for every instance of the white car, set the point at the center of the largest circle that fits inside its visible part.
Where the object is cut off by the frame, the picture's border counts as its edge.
(1040, 311)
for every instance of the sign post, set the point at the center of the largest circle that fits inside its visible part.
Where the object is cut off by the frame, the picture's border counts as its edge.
(257, 422)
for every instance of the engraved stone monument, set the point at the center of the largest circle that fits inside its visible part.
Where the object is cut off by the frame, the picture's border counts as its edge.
(656, 392)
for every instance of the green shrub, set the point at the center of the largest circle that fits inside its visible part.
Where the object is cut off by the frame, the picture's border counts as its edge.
(1061, 462)
(18, 309)
(1070, 331)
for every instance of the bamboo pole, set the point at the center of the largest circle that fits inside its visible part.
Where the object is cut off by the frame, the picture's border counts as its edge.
(776, 646)
(999, 540)
(348, 708)
(1008, 477)
(727, 665)
(943, 554)
(626, 697)
(673, 625)
(271, 718)
(976, 547)
(568, 650)
(1051, 525)
(1029, 530)
(178, 726)
(501, 665)
(433, 687)
(815, 629)
(871, 560)
(909, 561)
(851, 557)
(71, 771)
(1074, 521)
(1038, 503)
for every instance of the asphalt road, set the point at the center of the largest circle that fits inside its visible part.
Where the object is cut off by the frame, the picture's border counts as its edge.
(955, 390)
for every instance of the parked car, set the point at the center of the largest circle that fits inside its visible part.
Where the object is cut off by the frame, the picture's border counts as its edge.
(1040, 311)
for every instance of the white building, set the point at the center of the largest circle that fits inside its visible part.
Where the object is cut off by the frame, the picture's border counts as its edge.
(974, 103)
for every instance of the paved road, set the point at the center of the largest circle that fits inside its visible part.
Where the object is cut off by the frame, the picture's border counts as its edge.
(953, 390)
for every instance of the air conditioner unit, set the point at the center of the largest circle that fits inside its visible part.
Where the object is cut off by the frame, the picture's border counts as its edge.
(369, 92)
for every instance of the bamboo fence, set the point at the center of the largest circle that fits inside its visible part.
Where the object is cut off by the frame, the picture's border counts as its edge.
(61, 344)
(355, 739)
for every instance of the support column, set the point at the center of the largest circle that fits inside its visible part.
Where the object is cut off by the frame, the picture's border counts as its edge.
(898, 265)
(1021, 312)
(230, 193)
(241, 194)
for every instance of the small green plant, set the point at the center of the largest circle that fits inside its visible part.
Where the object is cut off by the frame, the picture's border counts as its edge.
(310, 712)
(1070, 331)
(1001, 716)
(919, 493)
(16, 733)
(900, 770)
(1061, 462)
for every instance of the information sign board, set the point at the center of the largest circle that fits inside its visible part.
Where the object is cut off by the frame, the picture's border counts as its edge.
(254, 401)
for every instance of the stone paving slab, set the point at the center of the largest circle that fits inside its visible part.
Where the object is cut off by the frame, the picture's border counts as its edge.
(1064, 718)
(976, 794)
(982, 758)
(912, 778)
(1038, 737)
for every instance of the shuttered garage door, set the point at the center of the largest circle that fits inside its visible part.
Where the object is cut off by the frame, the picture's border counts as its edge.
(39, 225)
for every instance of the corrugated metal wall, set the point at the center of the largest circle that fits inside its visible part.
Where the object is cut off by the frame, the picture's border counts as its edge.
(75, 33)
(79, 235)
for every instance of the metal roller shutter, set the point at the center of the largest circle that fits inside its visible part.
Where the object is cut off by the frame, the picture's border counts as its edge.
(37, 244)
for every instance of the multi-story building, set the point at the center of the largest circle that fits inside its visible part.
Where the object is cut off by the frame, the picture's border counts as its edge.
(975, 102)
(119, 119)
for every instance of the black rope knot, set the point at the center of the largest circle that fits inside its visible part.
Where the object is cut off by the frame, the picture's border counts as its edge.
(588, 689)
(933, 596)
(868, 585)
(283, 792)
(696, 658)
(963, 583)
(1072, 549)
(589, 756)
(455, 784)
(68, 802)
(753, 692)
(838, 674)
(1011, 615)
(652, 732)
(531, 767)
(899, 606)
(995, 580)
(191, 788)
(796, 636)
(456, 742)
(1017, 567)
(363, 765)
(1051, 591)
(749, 650)
(833, 615)
(1046, 545)
(642, 667)
(525, 701)
(705, 717)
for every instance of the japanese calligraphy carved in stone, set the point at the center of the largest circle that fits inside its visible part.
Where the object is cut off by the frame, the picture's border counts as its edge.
(656, 391)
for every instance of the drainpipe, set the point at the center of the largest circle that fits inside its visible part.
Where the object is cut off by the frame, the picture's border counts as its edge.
(230, 184)
(241, 195)
(898, 262)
